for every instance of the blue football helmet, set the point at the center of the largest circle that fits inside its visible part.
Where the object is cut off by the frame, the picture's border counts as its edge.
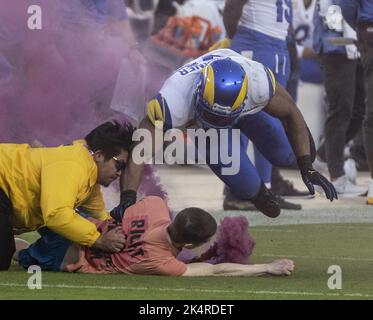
(220, 93)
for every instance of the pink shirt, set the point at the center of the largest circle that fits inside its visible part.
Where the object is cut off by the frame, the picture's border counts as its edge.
(147, 251)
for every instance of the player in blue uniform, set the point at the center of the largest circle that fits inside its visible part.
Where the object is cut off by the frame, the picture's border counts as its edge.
(224, 90)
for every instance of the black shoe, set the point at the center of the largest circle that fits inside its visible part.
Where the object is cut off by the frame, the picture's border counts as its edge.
(285, 188)
(286, 204)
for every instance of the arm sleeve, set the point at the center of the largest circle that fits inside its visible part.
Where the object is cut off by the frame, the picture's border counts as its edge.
(60, 185)
(263, 88)
(95, 205)
(159, 113)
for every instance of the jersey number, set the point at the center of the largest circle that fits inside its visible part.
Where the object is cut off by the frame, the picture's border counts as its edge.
(281, 12)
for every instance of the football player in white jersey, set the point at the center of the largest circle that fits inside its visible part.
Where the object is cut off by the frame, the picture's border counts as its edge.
(224, 90)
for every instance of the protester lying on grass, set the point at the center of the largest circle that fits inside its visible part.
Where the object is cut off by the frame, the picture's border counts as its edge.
(153, 242)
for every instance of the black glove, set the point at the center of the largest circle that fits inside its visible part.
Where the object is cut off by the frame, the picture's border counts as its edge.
(311, 177)
(127, 199)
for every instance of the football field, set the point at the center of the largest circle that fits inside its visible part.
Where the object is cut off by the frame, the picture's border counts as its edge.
(321, 235)
(313, 248)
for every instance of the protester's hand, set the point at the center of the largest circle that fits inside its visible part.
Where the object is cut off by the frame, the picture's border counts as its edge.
(112, 241)
(311, 177)
(127, 199)
(281, 267)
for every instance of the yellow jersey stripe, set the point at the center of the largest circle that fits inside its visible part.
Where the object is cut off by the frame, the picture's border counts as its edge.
(242, 95)
(209, 92)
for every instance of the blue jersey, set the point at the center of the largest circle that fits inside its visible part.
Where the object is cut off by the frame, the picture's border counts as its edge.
(322, 34)
(356, 10)
(366, 10)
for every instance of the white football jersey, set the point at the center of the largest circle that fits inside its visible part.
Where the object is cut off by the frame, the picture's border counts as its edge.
(271, 17)
(173, 106)
(303, 24)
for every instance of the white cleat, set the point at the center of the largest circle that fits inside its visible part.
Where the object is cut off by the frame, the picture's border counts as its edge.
(346, 188)
(350, 170)
(349, 167)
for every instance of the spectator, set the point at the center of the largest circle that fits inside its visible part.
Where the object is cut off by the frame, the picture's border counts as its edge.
(345, 106)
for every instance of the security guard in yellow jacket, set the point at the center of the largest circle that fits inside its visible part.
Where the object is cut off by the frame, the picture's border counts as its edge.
(43, 187)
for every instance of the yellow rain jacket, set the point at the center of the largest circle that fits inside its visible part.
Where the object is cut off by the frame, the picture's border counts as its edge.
(46, 185)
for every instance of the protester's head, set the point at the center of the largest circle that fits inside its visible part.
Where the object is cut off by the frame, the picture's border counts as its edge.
(110, 144)
(192, 227)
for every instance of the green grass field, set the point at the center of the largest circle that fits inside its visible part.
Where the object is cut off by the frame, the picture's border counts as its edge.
(313, 248)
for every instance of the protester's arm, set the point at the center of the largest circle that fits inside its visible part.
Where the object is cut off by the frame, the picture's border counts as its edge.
(231, 15)
(277, 267)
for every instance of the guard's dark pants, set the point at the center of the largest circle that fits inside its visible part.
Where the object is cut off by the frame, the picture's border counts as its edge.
(366, 50)
(7, 244)
(343, 106)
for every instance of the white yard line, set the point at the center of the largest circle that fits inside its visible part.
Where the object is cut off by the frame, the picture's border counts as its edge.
(314, 257)
(295, 293)
(277, 230)
(283, 227)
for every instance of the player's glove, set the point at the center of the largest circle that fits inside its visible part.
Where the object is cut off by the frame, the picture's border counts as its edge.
(127, 199)
(311, 177)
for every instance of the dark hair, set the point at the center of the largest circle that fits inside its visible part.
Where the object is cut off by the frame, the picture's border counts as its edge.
(192, 225)
(111, 137)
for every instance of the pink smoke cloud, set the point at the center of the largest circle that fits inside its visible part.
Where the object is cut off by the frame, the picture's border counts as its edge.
(233, 244)
(63, 77)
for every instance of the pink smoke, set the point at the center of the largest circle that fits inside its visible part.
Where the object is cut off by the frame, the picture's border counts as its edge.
(234, 244)
(64, 74)
(62, 78)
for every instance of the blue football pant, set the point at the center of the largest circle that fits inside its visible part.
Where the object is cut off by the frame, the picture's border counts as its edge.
(268, 137)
